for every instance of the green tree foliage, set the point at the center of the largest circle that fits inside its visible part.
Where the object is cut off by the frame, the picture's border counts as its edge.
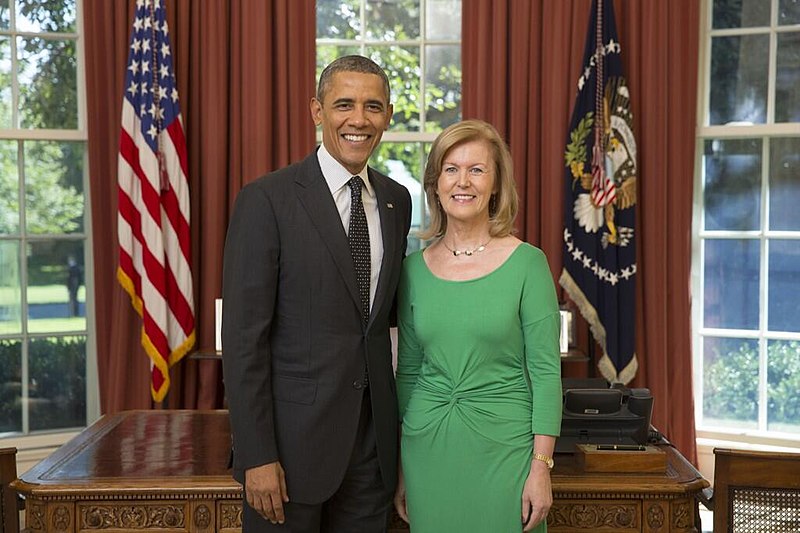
(56, 388)
(9, 188)
(47, 78)
(783, 382)
(730, 382)
(53, 188)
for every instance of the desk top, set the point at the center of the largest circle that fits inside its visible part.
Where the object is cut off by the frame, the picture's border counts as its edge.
(140, 451)
(137, 452)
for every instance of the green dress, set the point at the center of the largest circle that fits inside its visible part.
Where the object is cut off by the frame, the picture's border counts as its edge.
(478, 375)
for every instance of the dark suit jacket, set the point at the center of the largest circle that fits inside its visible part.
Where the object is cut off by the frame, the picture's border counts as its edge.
(293, 340)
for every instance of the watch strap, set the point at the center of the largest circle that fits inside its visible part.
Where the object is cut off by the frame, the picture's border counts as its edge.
(546, 459)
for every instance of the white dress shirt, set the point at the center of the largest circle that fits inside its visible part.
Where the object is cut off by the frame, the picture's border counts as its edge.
(337, 178)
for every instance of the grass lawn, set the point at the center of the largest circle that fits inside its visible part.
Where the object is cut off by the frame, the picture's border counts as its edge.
(40, 294)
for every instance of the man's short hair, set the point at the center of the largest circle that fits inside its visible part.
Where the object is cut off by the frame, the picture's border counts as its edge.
(353, 63)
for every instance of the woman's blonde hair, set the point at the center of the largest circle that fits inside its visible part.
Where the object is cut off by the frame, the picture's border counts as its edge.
(504, 203)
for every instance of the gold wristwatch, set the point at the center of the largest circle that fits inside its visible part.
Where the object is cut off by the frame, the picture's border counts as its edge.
(544, 458)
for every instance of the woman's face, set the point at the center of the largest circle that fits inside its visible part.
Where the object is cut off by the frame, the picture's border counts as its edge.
(467, 181)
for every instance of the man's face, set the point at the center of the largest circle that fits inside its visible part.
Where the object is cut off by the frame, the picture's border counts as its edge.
(353, 116)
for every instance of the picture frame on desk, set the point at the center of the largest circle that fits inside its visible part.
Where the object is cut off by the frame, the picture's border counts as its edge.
(218, 324)
(566, 339)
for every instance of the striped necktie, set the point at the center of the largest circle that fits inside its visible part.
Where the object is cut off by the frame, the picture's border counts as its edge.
(358, 235)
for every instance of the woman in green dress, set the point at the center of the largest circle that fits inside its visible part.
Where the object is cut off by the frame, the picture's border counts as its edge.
(478, 374)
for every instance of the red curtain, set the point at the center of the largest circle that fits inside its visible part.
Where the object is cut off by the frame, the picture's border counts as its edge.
(245, 74)
(521, 61)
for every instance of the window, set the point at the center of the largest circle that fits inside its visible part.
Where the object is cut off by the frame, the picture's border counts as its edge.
(418, 43)
(746, 264)
(44, 244)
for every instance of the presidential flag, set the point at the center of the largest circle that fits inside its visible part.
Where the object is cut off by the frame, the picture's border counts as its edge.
(599, 272)
(153, 219)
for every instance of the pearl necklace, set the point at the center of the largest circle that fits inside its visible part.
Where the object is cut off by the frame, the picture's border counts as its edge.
(475, 250)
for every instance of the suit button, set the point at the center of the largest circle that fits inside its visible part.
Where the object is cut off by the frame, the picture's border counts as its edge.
(358, 384)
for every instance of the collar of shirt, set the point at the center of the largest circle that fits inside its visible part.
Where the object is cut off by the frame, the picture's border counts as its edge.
(336, 176)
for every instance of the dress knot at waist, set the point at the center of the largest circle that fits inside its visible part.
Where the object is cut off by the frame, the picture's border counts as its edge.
(435, 391)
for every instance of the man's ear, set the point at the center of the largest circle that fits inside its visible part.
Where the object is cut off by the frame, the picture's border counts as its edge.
(389, 115)
(316, 111)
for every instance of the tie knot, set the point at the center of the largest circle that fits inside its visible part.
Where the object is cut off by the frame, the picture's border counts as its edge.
(355, 184)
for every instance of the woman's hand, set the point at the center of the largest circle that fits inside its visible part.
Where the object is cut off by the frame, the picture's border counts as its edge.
(400, 495)
(537, 495)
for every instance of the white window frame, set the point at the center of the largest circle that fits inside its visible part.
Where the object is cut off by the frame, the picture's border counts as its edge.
(709, 437)
(35, 446)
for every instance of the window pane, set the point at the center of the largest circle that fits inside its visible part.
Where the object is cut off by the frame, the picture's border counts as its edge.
(57, 384)
(56, 294)
(403, 163)
(784, 184)
(9, 188)
(338, 19)
(392, 20)
(730, 382)
(10, 385)
(10, 289)
(740, 13)
(5, 83)
(783, 382)
(443, 19)
(732, 188)
(730, 279)
(48, 83)
(739, 77)
(326, 53)
(443, 86)
(51, 16)
(788, 12)
(54, 200)
(784, 290)
(401, 64)
(787, 78)
(5, 19)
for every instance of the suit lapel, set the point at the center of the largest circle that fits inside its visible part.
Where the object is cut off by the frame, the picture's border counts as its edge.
(388, 230)
(316, 198)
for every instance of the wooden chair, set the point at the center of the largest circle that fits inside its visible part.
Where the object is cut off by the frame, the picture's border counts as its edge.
(9, 510)
(756, 492)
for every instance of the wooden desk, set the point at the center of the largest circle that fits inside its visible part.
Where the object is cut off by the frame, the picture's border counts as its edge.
(651, 503)
(157, 470)
(138, 471)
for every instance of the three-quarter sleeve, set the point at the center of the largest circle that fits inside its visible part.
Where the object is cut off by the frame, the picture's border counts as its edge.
(409, 350)
(541, 324)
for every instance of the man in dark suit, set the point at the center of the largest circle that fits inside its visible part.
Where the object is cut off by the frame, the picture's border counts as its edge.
(312, 260)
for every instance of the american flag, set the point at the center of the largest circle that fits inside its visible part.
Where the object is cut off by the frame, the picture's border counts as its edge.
(153, 219)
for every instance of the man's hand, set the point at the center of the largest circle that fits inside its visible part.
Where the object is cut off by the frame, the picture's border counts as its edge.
(400, 495)
(265, 491)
